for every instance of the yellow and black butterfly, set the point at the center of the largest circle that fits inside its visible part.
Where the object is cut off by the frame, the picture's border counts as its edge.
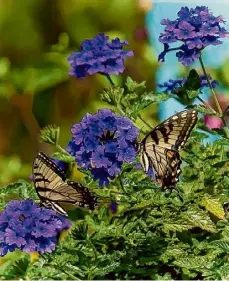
(159, 149)
(50, 185)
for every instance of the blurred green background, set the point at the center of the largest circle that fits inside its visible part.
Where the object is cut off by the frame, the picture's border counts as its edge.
(36, 37)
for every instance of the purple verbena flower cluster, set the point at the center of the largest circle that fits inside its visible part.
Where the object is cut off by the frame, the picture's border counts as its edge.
(97, 55)
(102, 142)
(195, 29)
(173, 84)
(26, 226)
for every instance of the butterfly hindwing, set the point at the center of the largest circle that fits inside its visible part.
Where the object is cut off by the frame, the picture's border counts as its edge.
(160, 148)
(50, 185)
(85, 197)
(53, 205)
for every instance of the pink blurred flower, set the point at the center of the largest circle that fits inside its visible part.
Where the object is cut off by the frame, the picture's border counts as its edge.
(213, 122)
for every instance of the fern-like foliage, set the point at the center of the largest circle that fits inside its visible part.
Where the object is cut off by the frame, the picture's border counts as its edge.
(153, 235)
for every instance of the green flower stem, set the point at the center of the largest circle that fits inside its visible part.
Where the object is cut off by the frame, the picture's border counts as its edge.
(122, 186)
(145, 122)
(226, 130)
(110, 80)
(61, 149)
(120, 109)
(224, 122)
(206, 104)
(223, 117)
(210, 86)
(93, 247)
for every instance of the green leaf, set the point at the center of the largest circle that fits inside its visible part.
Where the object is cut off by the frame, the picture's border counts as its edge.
(224, 271)
(221, 244)
(193, 83)
(214, 206)
(144, 101)
(112, 95)
(66, 157)
(205, 110)
(79, 231)
(133, 86)
(173, 251)
(19, 268)
(137, 107)
(17, 190)
(154, 97)
(192, 94)
(4, 266)
(50, 134)
(176, 226)
(193, 262)
(103, 270)
(199, 218)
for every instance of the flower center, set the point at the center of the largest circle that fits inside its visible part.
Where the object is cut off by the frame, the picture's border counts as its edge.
(22, 218)
(107, 135)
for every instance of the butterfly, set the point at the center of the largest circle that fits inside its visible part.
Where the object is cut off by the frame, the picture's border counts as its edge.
(160, 148)
(52, 188)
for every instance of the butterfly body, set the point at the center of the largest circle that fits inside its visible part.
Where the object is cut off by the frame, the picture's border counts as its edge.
(160, 148)
(52, 188)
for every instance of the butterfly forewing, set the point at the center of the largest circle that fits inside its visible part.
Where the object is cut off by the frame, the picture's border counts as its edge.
(47, 175)
(50, 185)
(160, 148)
(173, 132)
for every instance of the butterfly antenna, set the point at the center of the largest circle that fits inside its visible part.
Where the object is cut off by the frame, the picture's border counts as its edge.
(178, 192)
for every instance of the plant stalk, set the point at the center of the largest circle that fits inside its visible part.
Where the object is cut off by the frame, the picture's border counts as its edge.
(210, 86)
(110, 80)
(145, 122)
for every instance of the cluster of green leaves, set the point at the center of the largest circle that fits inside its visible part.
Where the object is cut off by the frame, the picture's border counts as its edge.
(133, 98)
(154, 234)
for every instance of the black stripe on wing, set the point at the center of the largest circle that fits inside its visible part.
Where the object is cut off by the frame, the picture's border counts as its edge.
(85, 197)
(50, 185)
(54, 206)
(173, 132)
(43, 158)
(160, 148)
